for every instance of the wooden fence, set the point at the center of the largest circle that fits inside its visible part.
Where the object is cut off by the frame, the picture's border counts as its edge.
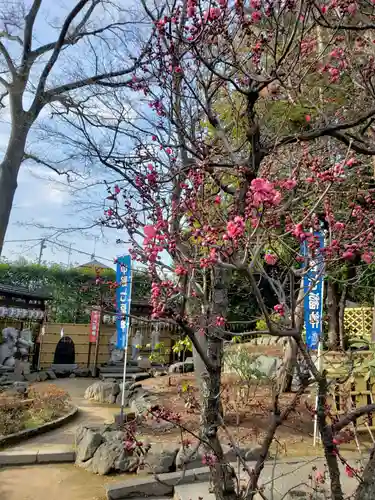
(79, 334)
(358, 322)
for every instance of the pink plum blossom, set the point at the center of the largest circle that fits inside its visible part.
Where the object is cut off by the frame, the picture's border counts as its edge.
(270, 259)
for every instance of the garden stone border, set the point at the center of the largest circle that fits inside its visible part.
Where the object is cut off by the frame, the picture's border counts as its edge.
(151, 487)
(57, 455)
(28, 433)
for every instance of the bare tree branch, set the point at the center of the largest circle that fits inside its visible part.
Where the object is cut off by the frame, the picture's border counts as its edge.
(37, 104)
(28, 31)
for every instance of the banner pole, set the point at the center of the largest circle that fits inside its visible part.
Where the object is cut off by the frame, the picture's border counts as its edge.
(124, 381)
(319, 360)
(126, 348)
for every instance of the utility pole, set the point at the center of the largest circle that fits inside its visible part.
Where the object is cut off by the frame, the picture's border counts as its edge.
(42, 247)
(69, 254)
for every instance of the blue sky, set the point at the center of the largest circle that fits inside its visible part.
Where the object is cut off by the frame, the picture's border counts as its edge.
(44, 198)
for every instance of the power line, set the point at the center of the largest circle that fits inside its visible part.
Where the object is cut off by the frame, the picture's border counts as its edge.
(72, 249)
(23, 241)
(69, 248)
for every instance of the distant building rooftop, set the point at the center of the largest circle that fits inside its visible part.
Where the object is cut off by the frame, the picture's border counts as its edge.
(94, 264)
(23, 292)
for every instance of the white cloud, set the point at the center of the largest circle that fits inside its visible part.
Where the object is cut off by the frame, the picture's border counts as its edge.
(52, 194)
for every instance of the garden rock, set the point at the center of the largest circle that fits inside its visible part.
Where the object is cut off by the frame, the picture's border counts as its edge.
(88, 445)
(188, 458)
(161, 460)
(102, 392)
(21, 387)
(105, 457)
(80, 433)
(126, 462)
(31, 377)
(182, 367)
(113, 436)
(132, 392)
(42, 376)
(82, 372)
(51, 374)
(142, 404)
(72, 375)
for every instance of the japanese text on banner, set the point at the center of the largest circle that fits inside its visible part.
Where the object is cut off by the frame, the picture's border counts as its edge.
(313, 294)
(123, 299)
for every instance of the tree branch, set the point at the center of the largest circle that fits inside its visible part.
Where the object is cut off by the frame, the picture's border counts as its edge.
(5, 84)
(352, 417)
(29, 156)
(28, 31)
(332, 130)
(36, 105)
(13, 38)
(7, 58)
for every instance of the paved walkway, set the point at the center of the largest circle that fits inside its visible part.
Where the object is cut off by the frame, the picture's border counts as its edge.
(89, 413)
(278, 481)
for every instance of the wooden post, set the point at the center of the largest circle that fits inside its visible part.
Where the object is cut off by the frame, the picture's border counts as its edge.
(373, 323)
(89, 354)
(97, 345)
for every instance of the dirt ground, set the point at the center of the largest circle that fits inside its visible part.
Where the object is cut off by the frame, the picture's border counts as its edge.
(60, 482)
(247, 419)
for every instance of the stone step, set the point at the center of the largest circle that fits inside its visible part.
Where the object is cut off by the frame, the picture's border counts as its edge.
(119, 369)
(129, 376)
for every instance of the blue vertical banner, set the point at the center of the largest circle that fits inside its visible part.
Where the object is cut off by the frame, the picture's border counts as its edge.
(313, 282)
(123, 300)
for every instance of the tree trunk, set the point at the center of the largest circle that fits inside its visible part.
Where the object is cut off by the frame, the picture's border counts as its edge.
(333, 315)
(366, 489)
(222, 474)
(285, 376)
(325, 430)
(9, 169)
(342, 334)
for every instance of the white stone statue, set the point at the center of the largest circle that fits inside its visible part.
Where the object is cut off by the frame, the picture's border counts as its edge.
(8, 347)
(13, 342)
(25, 342)
(115, 355)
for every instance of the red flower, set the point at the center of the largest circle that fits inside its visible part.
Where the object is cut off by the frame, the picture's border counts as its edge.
(319, 477)
(220, 321)
(308, 118)
(150, 232)
(349, 471)
(270, 259)
(279, 309)
(348, 255)
(256, 16)
(367, 257)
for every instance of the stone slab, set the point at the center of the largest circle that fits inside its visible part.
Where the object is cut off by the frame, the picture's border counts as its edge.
(129, 376)
(50, 456)
(150, 487)
(119, 369)
(17, 457)
(64, 368)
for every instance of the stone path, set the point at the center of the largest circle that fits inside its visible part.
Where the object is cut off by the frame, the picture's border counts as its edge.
(52, 482)
(278, 481)
(60, 481)
(89, 413)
